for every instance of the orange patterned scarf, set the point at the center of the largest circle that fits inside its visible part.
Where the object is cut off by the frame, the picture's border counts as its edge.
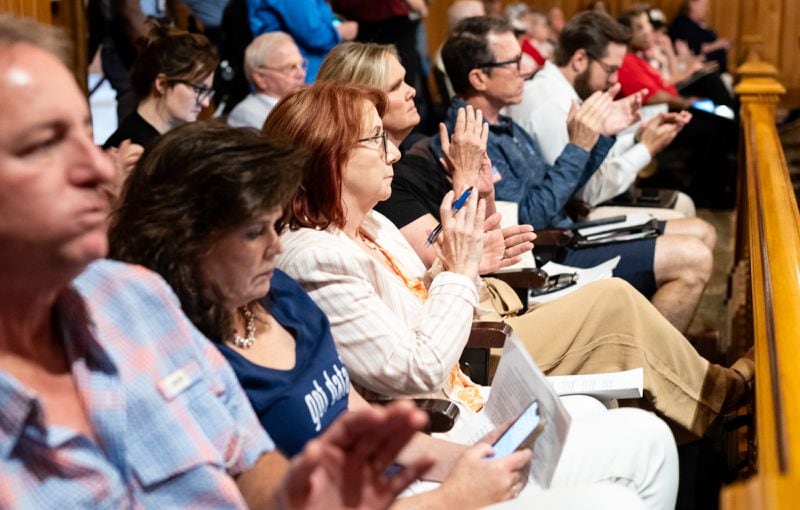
(458, 386)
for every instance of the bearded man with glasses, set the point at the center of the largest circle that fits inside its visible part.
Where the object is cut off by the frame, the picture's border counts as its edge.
(274, 67)
(591, 48)
(590, 52)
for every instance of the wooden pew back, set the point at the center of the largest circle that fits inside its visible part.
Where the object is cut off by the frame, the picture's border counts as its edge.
(768, 245)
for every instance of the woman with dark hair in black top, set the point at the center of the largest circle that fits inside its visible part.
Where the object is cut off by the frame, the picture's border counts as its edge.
(172, 77)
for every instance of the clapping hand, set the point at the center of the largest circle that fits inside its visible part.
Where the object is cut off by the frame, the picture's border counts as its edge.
(464, 152)
(460, 246)
(585, 122)
(622, 112)
(345, 467)
(504, 247)
(124, 159)
(659, 132)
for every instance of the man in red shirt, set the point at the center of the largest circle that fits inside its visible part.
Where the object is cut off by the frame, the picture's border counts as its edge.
(702, 159)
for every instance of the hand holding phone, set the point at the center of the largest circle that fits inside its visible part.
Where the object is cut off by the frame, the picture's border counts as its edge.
(521, 434)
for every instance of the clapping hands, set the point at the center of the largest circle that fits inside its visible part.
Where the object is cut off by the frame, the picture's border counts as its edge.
(600, 114)
(659, 132)
(345, 467)
(622, 112)
(464, 152)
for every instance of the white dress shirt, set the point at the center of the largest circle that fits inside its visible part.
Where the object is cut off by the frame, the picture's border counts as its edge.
(252, 111)
(543, 114)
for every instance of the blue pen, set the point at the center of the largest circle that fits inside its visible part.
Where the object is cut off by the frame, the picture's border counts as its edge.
(434, 235)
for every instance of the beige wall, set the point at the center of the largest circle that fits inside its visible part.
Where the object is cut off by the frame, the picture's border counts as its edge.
(774, 25)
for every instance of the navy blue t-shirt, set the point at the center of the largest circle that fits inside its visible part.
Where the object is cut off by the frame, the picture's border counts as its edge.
(295, 405)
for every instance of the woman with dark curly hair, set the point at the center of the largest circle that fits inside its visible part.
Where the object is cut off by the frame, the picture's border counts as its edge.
(172, 78)
(177, 205)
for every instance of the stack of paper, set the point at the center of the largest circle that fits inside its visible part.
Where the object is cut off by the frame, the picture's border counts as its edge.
(627, 384)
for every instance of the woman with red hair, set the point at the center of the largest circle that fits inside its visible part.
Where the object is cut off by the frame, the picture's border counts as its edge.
(349, 172)
(400, 328)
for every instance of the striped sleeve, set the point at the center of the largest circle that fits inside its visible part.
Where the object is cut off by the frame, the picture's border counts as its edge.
(391, 342)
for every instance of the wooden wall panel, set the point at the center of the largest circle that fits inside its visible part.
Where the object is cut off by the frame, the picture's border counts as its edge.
(772, 25)
(37, 9)
(67, 14)
(789, 60)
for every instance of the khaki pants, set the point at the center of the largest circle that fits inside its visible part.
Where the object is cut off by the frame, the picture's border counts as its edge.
(608, 326)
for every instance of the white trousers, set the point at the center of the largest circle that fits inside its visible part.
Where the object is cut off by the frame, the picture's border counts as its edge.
(617, 459)
(596, 496)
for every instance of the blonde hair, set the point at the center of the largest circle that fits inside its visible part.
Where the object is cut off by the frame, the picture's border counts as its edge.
(357, 62)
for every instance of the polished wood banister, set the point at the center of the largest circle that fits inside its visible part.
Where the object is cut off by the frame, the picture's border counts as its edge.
(769, 237)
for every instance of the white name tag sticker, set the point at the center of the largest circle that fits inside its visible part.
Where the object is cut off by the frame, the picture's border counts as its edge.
(177, 382)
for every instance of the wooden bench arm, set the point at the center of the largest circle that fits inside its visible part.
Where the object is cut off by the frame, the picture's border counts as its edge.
(523, 278)
(488, 335)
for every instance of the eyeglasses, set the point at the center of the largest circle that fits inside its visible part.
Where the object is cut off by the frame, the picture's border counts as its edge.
(201, 91)
(608, 68)
(288, 68)
(384, 144)
(556, 282)
(517, 62)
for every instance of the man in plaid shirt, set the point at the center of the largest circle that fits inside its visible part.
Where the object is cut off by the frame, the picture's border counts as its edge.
(110, 398)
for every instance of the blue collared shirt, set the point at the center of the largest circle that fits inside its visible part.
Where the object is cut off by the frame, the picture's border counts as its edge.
(173, 427)
(540, 190)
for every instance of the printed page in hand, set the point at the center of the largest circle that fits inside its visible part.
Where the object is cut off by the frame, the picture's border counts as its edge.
(517, 383)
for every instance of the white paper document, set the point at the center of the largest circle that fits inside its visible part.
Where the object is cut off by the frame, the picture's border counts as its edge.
(517, 383)
(627, 384)
(585, 276)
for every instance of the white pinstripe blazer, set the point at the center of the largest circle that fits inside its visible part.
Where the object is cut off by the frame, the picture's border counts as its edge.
(391, 341)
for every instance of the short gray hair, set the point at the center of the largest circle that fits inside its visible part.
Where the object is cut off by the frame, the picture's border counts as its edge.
(259, 48)
(462, 9)
(15, 30)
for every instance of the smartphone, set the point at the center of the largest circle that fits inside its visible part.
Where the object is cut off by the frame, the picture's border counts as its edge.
(600, 221)
(649, 196)
(521, 434)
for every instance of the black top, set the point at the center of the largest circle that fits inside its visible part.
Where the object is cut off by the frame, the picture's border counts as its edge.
(695, 35)
(418, 186)
(135, 128)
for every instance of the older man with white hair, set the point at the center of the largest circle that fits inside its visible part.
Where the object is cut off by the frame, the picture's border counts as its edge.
(274, 66)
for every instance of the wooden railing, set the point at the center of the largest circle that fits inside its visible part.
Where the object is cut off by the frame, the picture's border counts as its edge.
(768, 270)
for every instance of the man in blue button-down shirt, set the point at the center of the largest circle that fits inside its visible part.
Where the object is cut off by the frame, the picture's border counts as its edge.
(484, 62)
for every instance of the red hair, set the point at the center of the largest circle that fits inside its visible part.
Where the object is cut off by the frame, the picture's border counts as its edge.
(327, 119)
